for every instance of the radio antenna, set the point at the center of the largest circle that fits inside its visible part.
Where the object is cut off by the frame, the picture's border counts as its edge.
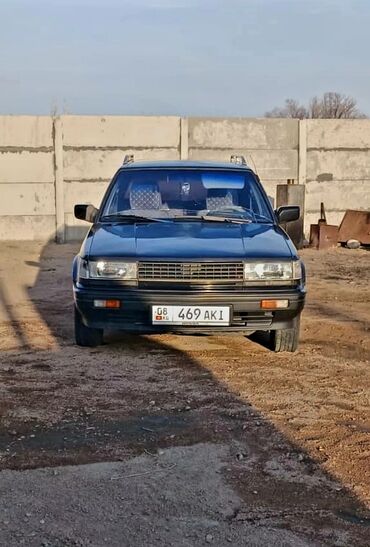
(253, 162)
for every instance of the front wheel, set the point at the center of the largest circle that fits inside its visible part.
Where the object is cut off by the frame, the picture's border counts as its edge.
(86, 336)
(286, 339)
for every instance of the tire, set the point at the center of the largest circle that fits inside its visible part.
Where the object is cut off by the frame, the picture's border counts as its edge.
(86, 336)
(286, 339)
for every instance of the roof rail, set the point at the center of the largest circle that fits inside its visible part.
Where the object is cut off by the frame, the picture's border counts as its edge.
(239, 160)
(129, 158)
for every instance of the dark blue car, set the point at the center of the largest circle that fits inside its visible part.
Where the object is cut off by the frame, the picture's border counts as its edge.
(184, 246)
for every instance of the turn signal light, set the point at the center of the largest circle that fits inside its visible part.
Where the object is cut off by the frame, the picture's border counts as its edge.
(274, 304)
(107, 304)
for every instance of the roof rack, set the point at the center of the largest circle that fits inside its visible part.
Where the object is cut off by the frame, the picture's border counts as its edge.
(129, 158)
(239, 160)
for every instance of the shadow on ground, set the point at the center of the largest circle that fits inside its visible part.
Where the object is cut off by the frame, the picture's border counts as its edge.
(144, 394)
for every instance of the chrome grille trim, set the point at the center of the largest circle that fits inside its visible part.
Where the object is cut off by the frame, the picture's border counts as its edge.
(191, 272)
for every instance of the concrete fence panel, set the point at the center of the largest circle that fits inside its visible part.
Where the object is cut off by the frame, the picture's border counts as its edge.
(26, 132)
(27, 189)
(338, 134)
(123, 132)
(249, 134)
(338, 167)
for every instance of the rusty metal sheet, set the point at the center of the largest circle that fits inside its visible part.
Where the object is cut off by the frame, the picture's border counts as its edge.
(323, 236)
(328, 236)
(355, 225)
(314, 235)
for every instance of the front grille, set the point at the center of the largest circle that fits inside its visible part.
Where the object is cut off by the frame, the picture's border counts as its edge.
(192, 272)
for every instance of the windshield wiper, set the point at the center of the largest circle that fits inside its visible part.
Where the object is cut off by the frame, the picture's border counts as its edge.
(216, 218)
(131, 218)
(234, 220)
(264, 220)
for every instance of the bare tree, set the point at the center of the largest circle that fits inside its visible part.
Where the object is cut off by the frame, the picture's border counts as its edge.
(334, 105)
(54, 109)
(292, 109)
(330, 105)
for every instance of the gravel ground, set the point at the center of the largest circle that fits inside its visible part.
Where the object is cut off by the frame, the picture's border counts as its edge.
(182, 440)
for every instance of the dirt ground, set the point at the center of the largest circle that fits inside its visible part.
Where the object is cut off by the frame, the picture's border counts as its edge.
(182, 440)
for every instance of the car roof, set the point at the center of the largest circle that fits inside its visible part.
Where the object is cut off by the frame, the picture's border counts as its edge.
(184, 164)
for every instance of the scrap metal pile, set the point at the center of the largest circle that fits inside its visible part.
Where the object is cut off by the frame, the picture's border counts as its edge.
(353, 231)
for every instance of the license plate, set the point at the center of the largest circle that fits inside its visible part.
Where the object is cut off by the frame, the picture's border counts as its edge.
(191, 315)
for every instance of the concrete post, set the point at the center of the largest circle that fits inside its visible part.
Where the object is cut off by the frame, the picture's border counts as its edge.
(184, 138)
(302, 152)
(59, 180)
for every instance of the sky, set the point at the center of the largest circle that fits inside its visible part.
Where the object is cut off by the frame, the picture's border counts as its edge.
(180, 57)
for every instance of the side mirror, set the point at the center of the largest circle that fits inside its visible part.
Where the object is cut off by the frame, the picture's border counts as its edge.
(86, 212)
(288, 213)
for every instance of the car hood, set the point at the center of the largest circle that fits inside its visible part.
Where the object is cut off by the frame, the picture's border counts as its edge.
(188, 240)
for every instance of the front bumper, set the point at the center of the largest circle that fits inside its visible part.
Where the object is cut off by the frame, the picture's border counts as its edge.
(135, 311)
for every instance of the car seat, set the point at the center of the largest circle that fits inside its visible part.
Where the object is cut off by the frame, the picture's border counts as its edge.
(220, 198)
(145, 196)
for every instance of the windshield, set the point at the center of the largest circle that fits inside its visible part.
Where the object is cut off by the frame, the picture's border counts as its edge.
(178, 193)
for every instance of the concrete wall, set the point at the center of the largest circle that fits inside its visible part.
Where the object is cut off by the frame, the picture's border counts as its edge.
(27, 190)
(47, 165)
(338, 167)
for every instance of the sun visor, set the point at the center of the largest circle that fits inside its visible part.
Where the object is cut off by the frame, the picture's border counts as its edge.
(230, 181)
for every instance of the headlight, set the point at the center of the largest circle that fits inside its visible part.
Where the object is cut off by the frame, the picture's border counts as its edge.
(109, 269)
(272, 271)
